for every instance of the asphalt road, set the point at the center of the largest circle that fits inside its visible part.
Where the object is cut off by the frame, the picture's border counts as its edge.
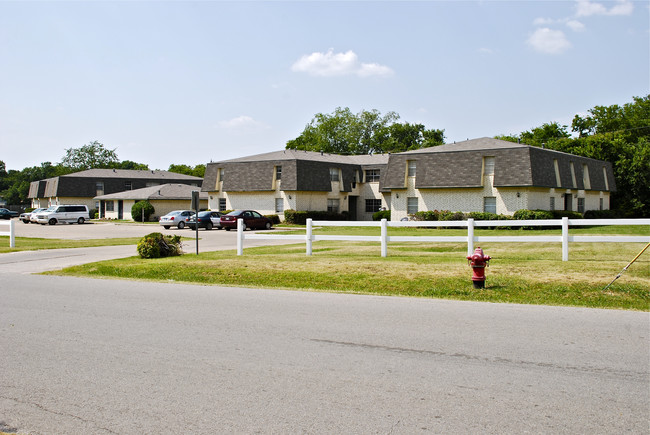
(81, 356)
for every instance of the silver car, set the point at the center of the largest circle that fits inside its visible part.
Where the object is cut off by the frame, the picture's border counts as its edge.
(30, 217)
(176, 218)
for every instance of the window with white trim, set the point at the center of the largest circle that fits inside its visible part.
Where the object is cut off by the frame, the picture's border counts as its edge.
(373, 205)
(412, 167)
(333, 205)
(411, 205)
(490, 204)
(372, 175)
(334, 174)
(279, 205)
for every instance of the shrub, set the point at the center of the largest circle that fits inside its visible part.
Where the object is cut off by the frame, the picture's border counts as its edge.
(602, 214)
(140, 207)
(559, 214)
(432, 215)
(155, 245)
(300, 217)
(381, 214)
(275, 219)
(92, 213)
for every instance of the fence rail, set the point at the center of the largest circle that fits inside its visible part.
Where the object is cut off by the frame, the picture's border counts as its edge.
(11, 232)
(470, 239)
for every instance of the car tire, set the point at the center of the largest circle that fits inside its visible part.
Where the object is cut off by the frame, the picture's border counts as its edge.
(268, 225)
(52, 221)
(181, 225)
(81, 221)
(25, 222)
(227, 228)
(208, 226)
(243, 224)
(166, 227)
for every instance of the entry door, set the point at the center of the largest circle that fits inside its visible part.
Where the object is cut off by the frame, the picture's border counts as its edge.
(352, 207)
(568, 201)
(120, 209)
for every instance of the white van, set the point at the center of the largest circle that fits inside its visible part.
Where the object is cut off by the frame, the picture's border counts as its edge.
(63, 213)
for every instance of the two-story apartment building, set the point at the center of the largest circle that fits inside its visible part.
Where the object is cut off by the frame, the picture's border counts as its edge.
(82, 187)
(476, 175)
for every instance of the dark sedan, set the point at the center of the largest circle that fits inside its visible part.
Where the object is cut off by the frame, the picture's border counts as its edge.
(251, 218)
(207, 220)
(7, 214)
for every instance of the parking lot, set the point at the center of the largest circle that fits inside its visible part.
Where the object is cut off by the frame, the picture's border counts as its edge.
(98, 230)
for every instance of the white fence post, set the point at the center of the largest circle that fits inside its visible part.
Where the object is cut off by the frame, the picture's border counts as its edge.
(384, 237)
(308, 236)
(240, 237)
(12, 234)
(470, 236)
(565, 239)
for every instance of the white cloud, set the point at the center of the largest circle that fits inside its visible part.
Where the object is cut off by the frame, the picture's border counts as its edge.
(586, 8)
(332, 64)
(549, 41)
(575, 25)
(239, 122)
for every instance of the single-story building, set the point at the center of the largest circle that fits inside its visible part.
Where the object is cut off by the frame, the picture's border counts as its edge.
(82, 187)
(164, 198)
(482, 175)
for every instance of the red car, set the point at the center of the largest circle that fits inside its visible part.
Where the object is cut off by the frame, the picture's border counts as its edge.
(252, 220)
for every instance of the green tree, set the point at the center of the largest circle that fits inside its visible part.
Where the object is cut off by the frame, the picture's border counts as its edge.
(141, 208)
(617, 134)
(343, 132)
(90, 156)
(196, 171)
(128, 164)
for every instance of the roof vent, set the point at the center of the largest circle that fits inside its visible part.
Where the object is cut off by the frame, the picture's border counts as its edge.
(114, 170)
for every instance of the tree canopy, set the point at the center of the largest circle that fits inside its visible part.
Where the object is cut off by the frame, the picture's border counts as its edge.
(367, 132)
(90, 156)
(617, 134)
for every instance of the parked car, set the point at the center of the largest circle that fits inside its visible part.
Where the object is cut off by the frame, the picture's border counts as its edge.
(7, 214)
(207, 220)
(252, 220)
(68, 213)
(176, 218)
(27, 217)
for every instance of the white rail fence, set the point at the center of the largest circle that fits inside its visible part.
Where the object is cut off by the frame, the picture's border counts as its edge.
(470, 239)
(11, 232)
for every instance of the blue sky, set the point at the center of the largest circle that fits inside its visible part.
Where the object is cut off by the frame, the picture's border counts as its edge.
(189, 82)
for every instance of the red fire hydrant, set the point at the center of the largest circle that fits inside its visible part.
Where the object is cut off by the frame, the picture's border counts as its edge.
(478, 260)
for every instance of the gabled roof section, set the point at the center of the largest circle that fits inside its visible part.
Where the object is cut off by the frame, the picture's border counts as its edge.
(162, 192)
(278, 156)
(131, 174)
(480, 144)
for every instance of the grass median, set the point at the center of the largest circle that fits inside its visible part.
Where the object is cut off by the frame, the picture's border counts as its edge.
(526, 273)
(34, 244)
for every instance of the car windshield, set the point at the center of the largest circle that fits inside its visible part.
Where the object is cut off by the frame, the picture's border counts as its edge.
(50, 208)
(235, 213)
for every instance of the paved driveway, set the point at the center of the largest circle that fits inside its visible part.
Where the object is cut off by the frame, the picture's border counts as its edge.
(52, 259)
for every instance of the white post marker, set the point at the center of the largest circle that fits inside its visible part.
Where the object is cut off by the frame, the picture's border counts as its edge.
(240, 236)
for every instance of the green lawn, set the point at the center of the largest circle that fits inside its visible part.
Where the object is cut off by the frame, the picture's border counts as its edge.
(32, 244)
(528, 273)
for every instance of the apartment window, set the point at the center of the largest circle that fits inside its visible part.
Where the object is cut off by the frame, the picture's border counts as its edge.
(585, 177)
(278, 172)
(411, 168)
(110, 206)
(601, 204)
(372, 175)
(490, 204)
(220, 174)
(573, 176)
(334, 174)
(97, 204)
(333, 205)
(279, 205)
(222, 204)
(489, 165)
(558, 180)
(551, 205)
(373, 205)
(581, 205)
(151, 184)
(99, 188)
(411, 205)
(128, 185)
(605, 177)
